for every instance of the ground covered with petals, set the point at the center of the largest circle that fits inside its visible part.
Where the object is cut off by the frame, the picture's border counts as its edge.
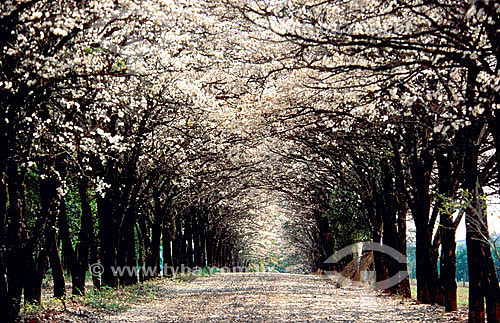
(266, 297)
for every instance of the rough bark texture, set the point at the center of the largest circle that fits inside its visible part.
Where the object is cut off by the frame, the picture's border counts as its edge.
(188, 236)
(82, 249)
(40, 241)
(4, 301)
(448, 185)
(15, 241)
(483, 282)
(67, 251)
(429, 289)
(153, 250)
(126, 256)
(107, 240)
(167, 251)
(55, 263)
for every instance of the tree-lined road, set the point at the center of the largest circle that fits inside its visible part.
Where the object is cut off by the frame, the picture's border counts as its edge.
(267, 297)
(227, 133)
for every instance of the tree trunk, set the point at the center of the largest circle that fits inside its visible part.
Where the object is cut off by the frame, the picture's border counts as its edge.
(143, 244)
(376, 230)
(107, 236)
(167, 252)
(210, 247)
(36, 264)
(94, 258)
(4, 300)
(126, 256)
(476, 272)
(16, 249)
(81, 262)
(483, 282)
(429, 289)
(43, 236)
(68, 253)
(492, 289)
(447, 187)
(494, 127)
(37, 267)
(389, 210)
(188, 236)
(180, 244)
(55, 263)
(203, 244)
(401, 201)
(153, 252)
(218, 252)
(448, 262)
(198, 260)
(404, 288)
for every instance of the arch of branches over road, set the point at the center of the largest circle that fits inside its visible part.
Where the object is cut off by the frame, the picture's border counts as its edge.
(130, 127)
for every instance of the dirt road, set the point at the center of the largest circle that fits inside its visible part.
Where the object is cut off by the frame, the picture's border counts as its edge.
(273, 298)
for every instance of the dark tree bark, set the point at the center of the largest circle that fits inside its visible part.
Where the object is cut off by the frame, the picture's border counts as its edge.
(36, 265)
(126, 255)
(188, 236)
(216, 252)
(448, 186)
(153, 250)
(483, 281)
(67, 251)
(36, 268)
(16, 248)
(107, 234)
(494, 127)
(203, 244)
(179, 251)
(197, 237)
(126, 251)
(401, 200)
(55, 263)
(376, 232)
(167, 252)
(214, 240)
(475, 256)
(143, 245)
(4, 300)
(43, 236)
(94, 258)
(382, 261)
(209, 241)
(388, 209)
(403, 288)
(429, 289)
(325, 243)
(81, 262)
(175, 243)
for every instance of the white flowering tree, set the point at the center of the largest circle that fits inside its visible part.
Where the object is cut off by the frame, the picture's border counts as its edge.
(175, 116)
(427, 73)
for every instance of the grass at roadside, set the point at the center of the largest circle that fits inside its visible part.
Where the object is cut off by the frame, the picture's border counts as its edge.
(462, 293)
(107, 300)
